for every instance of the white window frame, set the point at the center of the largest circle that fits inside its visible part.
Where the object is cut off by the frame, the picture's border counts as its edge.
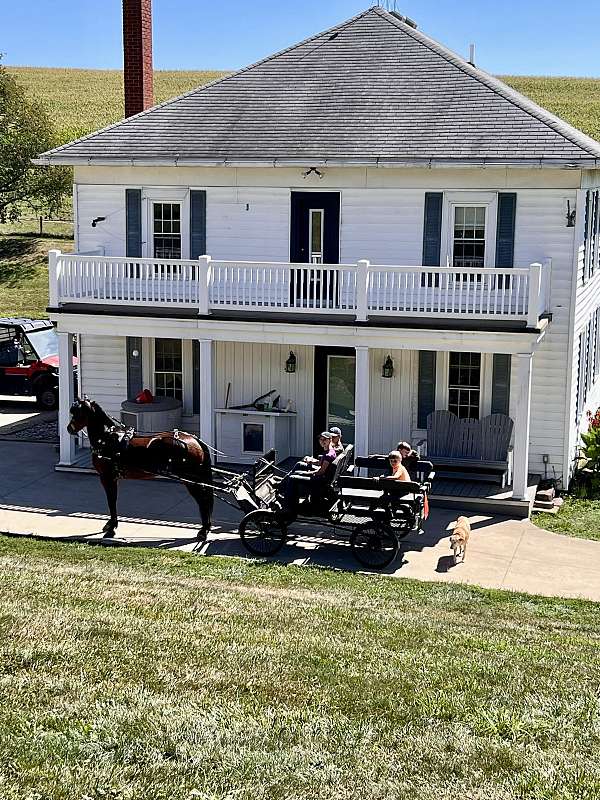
(164, 195)
(320, 211)
(185, 376)
(488, 200)
(442, 380)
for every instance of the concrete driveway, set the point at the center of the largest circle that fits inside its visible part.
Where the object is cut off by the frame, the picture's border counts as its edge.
(503, 553)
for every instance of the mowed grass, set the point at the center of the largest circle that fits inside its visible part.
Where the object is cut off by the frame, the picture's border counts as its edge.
(579, 518)
(24, 265)
(81, 101)
(129, 673)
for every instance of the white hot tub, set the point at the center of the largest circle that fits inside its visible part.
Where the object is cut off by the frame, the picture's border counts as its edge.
(162, 414)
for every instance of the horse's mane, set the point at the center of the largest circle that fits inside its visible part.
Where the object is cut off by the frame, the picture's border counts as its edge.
(101, 415)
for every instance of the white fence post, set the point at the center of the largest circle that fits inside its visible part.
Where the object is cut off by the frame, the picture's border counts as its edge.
(362, 279)
(545, 300)
(53, 273)
(533, 302)
(203, 283)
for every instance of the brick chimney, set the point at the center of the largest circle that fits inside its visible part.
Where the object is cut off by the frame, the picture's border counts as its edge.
(137, 55)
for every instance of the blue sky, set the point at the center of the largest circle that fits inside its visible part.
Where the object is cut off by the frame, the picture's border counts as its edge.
(528, 37)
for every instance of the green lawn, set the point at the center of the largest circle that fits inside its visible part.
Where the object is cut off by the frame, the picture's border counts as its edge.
(24, 265)
(130, 674)
(580, 518)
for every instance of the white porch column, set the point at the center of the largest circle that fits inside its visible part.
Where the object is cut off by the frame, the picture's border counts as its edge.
(206, 426)
(523, 407)
(361, 402)
(66, 395)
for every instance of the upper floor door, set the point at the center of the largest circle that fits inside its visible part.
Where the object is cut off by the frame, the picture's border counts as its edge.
(315, 240)
(315, 228)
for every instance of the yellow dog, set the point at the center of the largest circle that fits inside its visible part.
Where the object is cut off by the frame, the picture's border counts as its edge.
(459, 538)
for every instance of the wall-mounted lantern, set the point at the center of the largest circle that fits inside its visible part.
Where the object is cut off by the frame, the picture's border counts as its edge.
(290, 364)
(387, 371)
(96, 220)
(570, 215)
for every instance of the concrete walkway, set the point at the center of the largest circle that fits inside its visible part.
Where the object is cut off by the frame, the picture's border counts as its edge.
(503, 553)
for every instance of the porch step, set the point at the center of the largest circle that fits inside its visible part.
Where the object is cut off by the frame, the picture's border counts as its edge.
(480, 477)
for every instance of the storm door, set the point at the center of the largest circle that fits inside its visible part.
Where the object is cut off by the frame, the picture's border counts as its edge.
(335, 391)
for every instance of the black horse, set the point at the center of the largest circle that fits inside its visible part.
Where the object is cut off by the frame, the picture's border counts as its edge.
(117, 453)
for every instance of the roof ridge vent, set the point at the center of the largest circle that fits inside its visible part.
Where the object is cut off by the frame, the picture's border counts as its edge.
(407, 20)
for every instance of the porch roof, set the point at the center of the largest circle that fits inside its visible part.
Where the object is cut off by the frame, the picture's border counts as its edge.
(186, 323)
(372, 90)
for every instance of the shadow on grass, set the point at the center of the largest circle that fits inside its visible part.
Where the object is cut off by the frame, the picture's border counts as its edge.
(37, 235)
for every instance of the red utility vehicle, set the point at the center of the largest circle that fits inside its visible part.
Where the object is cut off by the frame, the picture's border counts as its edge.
(29, 360)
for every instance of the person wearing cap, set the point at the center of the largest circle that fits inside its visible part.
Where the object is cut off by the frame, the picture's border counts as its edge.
(299, 484)
(336, 440)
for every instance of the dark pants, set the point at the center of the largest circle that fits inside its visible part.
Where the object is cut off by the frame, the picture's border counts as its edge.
(297, 485)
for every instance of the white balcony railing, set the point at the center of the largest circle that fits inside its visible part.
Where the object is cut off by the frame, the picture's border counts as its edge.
(357, 290)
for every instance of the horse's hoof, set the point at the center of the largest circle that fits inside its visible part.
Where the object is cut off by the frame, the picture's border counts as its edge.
(109, 530)
(202, 535)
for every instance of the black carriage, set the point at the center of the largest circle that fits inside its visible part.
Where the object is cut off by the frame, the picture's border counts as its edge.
(374, 514)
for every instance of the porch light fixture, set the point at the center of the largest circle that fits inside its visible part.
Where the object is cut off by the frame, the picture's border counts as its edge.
(387, 371)
(290, 364)
(570, 215)
(96, 220)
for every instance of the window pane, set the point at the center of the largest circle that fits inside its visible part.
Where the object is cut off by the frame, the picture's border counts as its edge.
(469, 236)
(464, 382)
(167, 230)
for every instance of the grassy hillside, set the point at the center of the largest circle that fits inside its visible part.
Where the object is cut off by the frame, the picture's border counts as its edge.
(84, 100)
(131, 673)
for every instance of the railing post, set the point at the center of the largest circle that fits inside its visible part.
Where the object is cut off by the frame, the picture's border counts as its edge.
(533, 301)
(362, 279)
(204, 271)
(53, 274)
(545, 307)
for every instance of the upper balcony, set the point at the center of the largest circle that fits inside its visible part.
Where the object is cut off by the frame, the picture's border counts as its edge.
(360, 291)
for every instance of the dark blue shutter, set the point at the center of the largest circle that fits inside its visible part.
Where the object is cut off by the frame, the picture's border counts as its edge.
(505, 229)
(426, 394)
(196, 376)
(432, 229)
(197, 223)
(133, 223)
(134, 367)
(501, 383)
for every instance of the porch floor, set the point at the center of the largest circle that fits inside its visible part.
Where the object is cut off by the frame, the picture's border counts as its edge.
(456, 493)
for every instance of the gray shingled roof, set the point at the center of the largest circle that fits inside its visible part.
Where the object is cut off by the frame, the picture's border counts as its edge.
(372, 89)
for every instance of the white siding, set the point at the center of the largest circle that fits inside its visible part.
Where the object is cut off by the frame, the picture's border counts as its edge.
(101, 201)
(248, 224)
(103, 371)
(390, 399)
(253, 369)
(586, 300)
(382, 225)
(541, 233)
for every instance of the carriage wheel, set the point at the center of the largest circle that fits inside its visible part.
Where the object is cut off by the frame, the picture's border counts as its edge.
(262, 533)
(374, 545)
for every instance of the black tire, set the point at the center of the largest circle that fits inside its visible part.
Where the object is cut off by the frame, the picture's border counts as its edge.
(373, 545)
(262, 533)
(47, 398)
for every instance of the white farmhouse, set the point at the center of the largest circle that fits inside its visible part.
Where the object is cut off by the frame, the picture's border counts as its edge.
(361, 199)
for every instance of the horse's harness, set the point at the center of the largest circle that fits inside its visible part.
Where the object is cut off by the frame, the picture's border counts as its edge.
(115, 441)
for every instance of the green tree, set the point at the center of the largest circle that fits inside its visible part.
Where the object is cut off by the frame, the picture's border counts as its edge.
(25, 132)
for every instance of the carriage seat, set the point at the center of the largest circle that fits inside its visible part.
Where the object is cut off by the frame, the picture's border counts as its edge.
(371, 494)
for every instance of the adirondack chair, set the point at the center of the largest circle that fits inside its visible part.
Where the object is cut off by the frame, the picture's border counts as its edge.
(479, 447)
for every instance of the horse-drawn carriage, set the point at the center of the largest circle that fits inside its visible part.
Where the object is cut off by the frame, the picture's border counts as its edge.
(373, 513)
